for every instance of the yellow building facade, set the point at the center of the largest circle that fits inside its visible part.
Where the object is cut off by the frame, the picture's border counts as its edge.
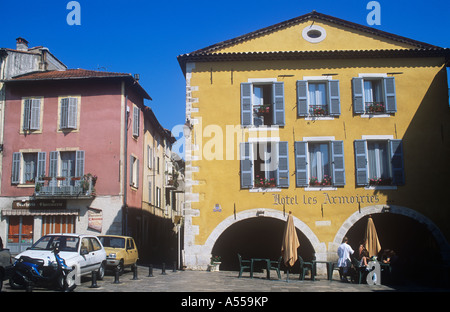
(328, 119)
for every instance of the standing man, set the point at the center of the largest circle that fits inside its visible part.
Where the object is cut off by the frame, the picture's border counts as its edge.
(344, 262)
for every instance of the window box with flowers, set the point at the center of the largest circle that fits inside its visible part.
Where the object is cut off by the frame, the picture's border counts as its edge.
(380, 181)
(263, 109)
(264, 183)
(375, 107)
(318, 110)
(314, 181)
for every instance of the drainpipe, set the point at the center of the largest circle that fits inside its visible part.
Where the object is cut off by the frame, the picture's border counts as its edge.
(125, 164)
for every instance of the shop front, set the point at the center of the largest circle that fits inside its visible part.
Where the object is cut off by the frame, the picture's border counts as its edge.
(28, 220)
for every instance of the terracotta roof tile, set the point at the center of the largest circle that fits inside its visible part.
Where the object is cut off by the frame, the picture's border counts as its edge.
(68, 74)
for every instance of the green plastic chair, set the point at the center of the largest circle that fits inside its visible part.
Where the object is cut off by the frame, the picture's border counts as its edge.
(275, 265)
(245, 265)
(304, 268)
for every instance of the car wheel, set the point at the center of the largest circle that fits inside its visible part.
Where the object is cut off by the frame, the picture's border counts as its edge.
(101, 272)
(66, 282)
(1, 281)
(17, 282)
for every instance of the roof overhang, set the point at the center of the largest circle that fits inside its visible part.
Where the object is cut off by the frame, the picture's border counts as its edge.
(129, 80)
(309, 55)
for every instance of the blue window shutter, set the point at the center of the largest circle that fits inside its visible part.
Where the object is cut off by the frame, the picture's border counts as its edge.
(389, 95)
(64, 113)
(131, 170)
(361, 162)
(302, 98)
(278, 103)
(301, 164)
(396, 153)
(136, 120)
(15, 174)
(358, 98)
(35, 114)
(72, 113)
(246, 104)
(79, 163)
(246, 154)
(283, 165)
(26, 114)
(53, 166)
(137, 173)
(338, 165)
(41, 164)
(334, 100)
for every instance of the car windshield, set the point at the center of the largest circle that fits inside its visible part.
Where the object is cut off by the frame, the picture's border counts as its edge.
(112, 242)
(66, 243)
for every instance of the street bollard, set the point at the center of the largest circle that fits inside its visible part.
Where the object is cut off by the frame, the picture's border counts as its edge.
(116, 276)
(174, 266)
(93, 280)
(163, 269)
(150, 271)
(135, 273)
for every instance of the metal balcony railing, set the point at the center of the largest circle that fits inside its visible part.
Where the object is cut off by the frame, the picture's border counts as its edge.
(64, 187)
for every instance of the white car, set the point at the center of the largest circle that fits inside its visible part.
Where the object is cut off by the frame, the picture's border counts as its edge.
(84, 253)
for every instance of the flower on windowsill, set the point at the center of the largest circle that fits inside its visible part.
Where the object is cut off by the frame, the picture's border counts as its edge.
(319, 111)
(376, 108)
(264, 109)
(380, 181)
(314, 181)
(262, 182)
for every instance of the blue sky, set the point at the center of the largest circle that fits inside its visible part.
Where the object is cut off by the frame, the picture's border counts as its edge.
(145, 37)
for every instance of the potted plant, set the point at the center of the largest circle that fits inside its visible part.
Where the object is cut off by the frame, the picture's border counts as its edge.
(215, 263)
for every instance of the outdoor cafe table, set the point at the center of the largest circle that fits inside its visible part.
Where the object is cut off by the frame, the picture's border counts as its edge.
(267, 261)
(329, 269)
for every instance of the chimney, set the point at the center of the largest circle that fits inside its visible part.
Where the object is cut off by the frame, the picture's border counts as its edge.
(21, 44)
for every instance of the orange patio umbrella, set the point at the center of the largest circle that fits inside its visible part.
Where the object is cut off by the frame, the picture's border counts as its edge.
(290, 242)
(372, 243)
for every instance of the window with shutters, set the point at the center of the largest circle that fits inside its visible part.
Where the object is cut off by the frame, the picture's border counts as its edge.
(32, 114)
(134, 171)
(69, 113)
(318, 97)
(27, 168)
(136, 121)
(319, 162)
(262, 104)
(379, 162)
(374, 95)
(67, 165)
(264, 165)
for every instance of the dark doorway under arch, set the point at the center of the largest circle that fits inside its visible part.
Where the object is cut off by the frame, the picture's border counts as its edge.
(258, 237)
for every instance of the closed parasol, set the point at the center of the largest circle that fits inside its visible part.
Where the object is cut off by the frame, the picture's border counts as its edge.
(290, 243)
(372, 243)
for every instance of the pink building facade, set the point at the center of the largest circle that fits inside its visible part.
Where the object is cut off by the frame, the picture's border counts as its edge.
(73, 144)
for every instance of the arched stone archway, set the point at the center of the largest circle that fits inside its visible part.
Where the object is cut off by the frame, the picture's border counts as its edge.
(203, 252)
(355, 217)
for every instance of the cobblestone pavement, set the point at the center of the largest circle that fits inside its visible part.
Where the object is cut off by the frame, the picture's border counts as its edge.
(226, 281)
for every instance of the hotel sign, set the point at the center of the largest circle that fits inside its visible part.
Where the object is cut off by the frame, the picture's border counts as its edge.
(39, 204)
(325, 199)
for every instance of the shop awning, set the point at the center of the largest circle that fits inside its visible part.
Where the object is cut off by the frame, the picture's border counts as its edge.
(37, 212)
